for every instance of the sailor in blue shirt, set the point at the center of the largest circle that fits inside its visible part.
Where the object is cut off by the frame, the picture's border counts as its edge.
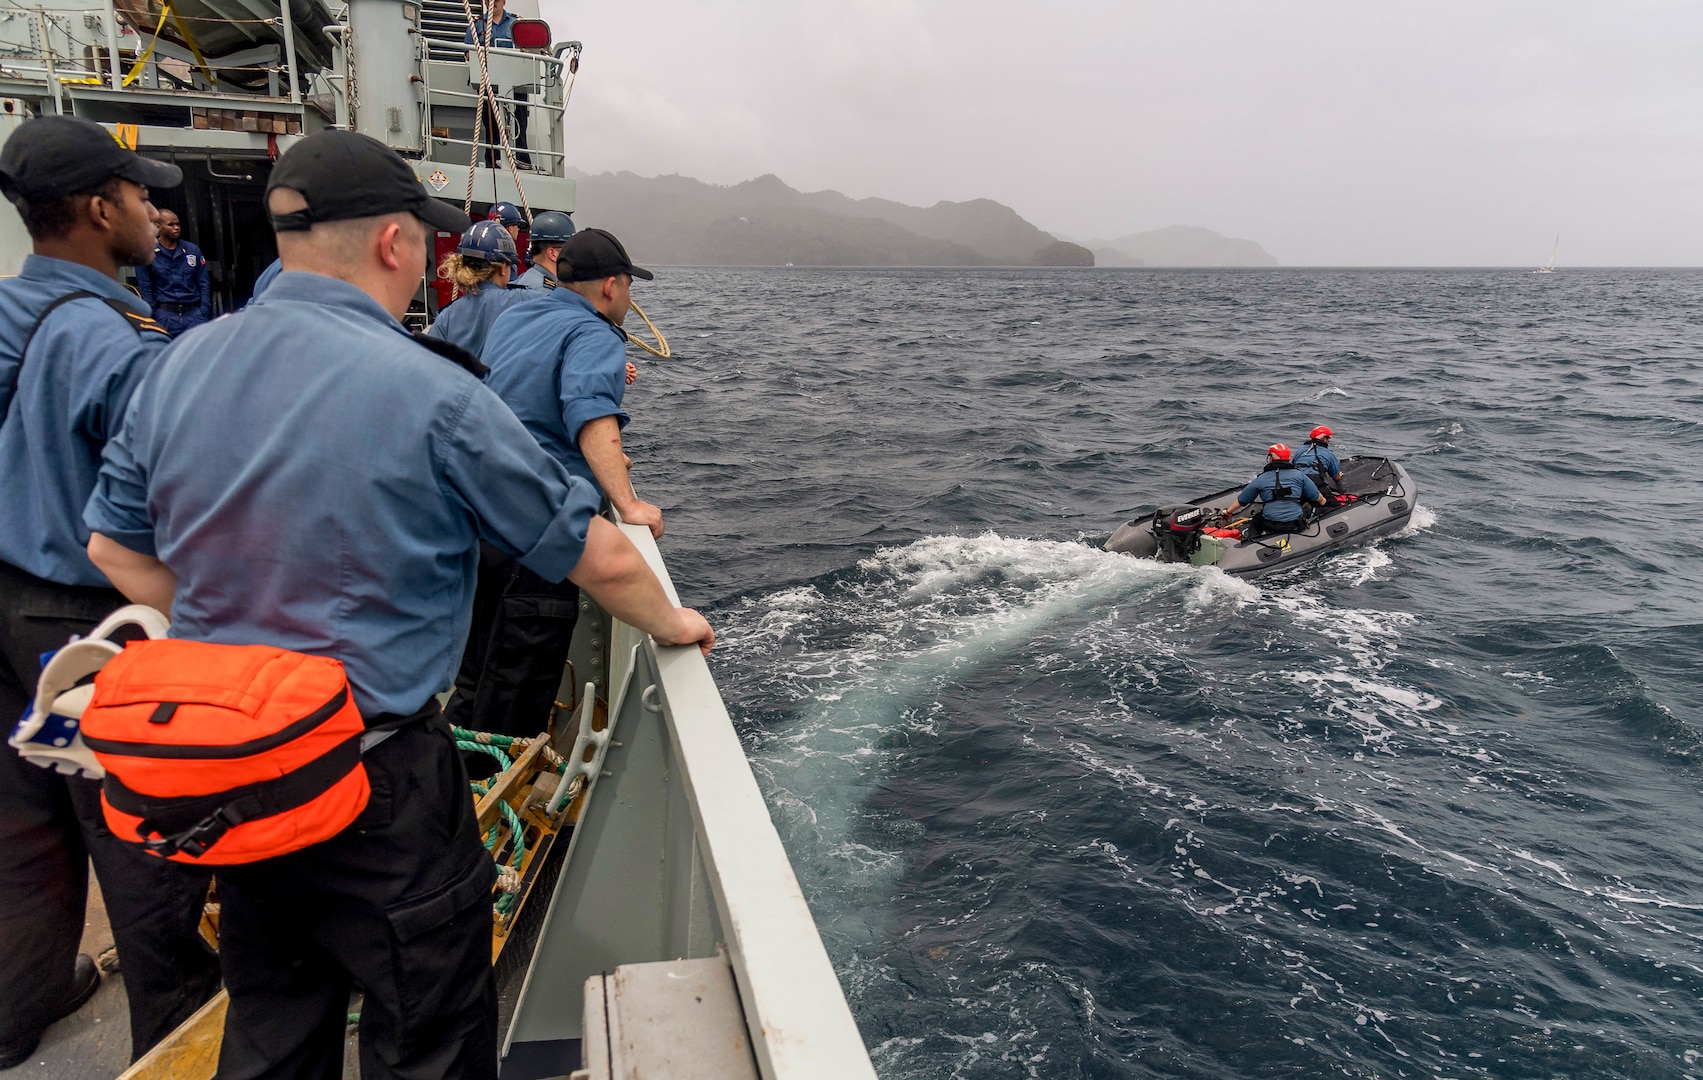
(306, 474)
(500, 35)
(62, 402)
(1316, 457)
(501, 25)
(74, 345)
(480, 270)
(267, 277)
(175, 285)
(550, 230)
(1281, 490)
(559, 361)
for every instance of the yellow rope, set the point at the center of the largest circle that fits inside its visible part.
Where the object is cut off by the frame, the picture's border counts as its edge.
(188, 38)
(194, 47)
(661, 347)
(142, 61)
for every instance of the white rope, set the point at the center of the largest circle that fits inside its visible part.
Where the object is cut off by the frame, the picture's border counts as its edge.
(488, 98)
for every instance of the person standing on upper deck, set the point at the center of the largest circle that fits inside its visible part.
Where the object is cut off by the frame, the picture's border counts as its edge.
(559, 361)
(175, 285)
(501, 36)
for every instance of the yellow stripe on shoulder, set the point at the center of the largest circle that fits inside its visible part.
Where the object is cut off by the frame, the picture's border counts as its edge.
(146, 322)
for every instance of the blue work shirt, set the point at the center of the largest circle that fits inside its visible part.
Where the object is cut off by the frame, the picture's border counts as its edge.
(468, 318)
(1264, 487)
(502, 34)
(1315, 455)
(176, 277)
(319, 481)
(537, 278)
(84, 363)
(267, 277)
(559, 365)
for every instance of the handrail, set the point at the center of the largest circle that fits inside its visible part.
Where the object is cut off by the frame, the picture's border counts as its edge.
(800, 1023)
(678, 815)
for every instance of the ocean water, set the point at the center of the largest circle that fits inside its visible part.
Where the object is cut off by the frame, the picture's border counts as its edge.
(1429, 808)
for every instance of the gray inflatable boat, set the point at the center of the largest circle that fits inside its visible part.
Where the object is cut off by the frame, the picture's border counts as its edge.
(1382, 500)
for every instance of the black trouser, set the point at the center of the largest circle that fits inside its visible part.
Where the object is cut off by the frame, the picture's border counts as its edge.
(1264, 526)
(517, 131)
(51, 827)
(398, 904)
(516, 649)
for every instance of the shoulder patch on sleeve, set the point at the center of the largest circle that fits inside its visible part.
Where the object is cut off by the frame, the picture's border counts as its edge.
(138, 322)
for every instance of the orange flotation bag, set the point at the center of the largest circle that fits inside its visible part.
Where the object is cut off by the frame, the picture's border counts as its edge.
(224, 754)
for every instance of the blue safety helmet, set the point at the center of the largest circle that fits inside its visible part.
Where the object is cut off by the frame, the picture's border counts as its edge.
(488, 240)
(507, 213)
(551, 227)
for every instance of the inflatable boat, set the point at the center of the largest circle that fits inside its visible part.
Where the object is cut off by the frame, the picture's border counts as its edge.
(1376, 498)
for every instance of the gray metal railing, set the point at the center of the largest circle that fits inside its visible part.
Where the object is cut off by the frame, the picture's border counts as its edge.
(675, 856)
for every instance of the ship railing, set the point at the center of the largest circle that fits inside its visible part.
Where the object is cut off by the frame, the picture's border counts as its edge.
(674, 873)
(452, 100)
(101, 52)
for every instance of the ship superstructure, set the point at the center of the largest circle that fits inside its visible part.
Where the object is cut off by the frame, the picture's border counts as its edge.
(222, 87)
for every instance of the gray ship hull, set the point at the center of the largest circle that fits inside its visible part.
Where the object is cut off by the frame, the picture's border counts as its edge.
(1385, 498)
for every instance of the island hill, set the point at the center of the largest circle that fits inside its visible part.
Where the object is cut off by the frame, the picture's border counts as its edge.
(1180, 245)
(679, 221)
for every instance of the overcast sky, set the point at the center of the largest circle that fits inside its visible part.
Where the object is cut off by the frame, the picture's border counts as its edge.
(1355, 132)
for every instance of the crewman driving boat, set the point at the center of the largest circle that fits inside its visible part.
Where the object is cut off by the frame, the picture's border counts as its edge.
(1282, 491)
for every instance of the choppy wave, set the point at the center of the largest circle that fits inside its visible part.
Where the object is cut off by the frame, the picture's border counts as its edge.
(1427, 807)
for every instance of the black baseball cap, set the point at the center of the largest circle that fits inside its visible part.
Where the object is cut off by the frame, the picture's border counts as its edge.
(345, 175)
(595, 254)
(51, 157)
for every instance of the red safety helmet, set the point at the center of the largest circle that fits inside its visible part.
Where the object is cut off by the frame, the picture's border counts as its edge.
(1320, 432)
(1277, 452)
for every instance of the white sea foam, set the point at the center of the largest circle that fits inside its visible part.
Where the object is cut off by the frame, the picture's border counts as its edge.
(1359, 566)
(1423, 518)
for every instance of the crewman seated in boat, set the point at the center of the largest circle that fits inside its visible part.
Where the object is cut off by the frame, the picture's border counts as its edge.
(479, 270)
(1316, 457)
(1282, 493)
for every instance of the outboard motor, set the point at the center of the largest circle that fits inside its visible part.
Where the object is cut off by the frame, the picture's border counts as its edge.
(1178, 531)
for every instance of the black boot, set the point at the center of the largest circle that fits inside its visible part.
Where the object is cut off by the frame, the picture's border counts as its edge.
(85, 980)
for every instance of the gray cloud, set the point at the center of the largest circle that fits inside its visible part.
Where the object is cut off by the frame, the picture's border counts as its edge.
(1343, 132)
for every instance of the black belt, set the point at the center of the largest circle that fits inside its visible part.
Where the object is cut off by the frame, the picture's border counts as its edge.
(181, 309)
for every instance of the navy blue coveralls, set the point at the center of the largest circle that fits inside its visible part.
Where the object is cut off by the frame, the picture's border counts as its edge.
(175, 285)
(62, 399)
